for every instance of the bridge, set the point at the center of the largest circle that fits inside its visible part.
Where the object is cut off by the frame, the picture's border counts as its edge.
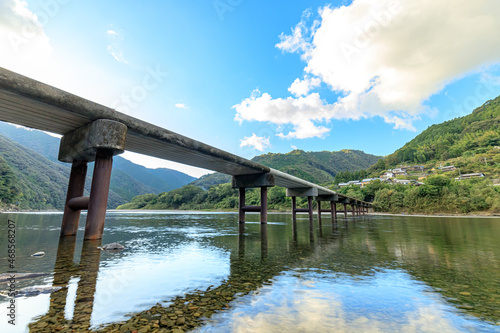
(95, 133)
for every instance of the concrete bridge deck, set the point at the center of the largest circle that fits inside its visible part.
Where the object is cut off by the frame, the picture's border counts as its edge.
(33, 104)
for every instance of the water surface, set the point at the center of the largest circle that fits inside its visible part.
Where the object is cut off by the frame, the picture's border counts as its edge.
(369, 274)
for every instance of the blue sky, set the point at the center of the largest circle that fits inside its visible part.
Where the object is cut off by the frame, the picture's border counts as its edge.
(252, 77)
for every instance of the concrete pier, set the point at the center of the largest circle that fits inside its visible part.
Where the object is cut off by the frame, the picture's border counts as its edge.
(97, 141)
(262, 181)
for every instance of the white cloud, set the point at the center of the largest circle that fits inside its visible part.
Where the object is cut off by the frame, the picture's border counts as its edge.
(257, 142)
(302, 87)
(384, 58)
(301, 112)
(25, 48)
(181, 106)
(115, 47)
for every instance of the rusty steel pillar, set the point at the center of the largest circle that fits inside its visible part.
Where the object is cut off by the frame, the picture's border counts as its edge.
(319, 213)
(310, 208)
(97, 141)
(76, 187)
(262, 180)
(263, 205)
(99, 192)
(333, 208)
(241, 204)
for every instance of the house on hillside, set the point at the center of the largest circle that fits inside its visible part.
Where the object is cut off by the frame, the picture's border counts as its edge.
(368, 181)
(399, 171)
(388, 174)
(470, 175)
(349, 183)
(448, 168)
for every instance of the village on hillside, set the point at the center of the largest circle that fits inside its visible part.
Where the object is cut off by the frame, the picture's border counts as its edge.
(411, 175)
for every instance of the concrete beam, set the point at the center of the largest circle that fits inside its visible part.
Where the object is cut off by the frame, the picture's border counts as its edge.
(301, 192)
(333, 197)
(344, 200)
(253, 180)
(82, 144)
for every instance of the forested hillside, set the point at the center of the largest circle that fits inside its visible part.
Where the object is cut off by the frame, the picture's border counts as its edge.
(471, 142)
(318, 167)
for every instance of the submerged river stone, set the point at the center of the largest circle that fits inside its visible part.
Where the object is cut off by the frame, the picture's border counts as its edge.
(112, 247)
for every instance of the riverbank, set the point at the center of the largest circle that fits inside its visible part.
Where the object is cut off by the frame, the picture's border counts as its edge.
(173, 211)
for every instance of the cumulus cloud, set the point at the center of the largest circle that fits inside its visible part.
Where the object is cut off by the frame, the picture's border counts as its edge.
(383, 58)
(302, 87)
(24, 44)
(181, 106)
(256, 142)
(115, 47)
(300, 112)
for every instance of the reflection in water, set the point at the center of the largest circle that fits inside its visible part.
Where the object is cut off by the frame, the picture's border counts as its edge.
(263, 241)
(306, 302)
(368, 273)
(64, 270)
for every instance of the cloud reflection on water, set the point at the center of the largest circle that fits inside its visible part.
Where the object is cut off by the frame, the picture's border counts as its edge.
(319, 302)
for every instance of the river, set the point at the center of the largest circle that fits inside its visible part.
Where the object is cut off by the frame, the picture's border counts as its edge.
(364, 274)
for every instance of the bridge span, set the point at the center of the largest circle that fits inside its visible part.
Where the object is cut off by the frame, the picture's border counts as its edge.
(93, 132)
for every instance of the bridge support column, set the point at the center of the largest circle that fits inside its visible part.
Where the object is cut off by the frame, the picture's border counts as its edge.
(241, 204)
(302, 192)
(97, 141)
(310, 209)
(333, 208)
(332, 198)
(352, 208)
(262, 180)
(319, 213)
(76, 188)
(345, 209)
(99, 192)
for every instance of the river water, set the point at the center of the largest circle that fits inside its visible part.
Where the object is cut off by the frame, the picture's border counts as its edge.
(364, 274)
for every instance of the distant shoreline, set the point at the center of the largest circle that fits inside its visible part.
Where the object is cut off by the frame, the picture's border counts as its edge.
(171, 211)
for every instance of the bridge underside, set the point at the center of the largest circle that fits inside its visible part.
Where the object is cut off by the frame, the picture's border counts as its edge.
(33, 104)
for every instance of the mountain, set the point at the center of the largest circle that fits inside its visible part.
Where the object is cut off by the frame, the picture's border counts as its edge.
(318, 167)
(470, 143)
(206, 181)
(35, 154)
(160, 180)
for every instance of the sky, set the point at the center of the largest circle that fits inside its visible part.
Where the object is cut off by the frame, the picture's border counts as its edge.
(253, 77)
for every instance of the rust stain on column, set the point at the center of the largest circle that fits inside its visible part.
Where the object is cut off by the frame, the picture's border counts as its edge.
(263, 204)
(319, 213)
(99, 195)
(76, 187)
(241, 204)
(310, 207)
(333, 208)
